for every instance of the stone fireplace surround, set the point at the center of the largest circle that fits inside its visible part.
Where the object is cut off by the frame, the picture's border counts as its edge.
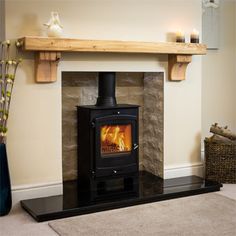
(140, 88)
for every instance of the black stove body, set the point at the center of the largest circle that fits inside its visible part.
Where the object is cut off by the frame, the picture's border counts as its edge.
(108, 160)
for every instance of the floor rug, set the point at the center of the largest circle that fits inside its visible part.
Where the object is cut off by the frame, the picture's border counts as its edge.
(201, 215)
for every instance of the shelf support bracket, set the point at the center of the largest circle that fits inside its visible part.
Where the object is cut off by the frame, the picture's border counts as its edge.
(46, 66)
(177, 66)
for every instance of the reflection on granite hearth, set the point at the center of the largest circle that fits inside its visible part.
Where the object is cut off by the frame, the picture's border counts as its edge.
(151, 189)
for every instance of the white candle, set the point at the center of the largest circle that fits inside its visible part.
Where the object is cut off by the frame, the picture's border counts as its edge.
(194, 37)
(180, 37)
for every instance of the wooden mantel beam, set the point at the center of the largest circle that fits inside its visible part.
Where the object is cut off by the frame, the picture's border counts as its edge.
(48, 53)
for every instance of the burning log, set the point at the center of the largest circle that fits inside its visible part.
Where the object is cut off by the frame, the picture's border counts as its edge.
(116, 138)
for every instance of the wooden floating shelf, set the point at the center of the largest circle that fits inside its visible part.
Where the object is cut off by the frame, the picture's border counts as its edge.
(48, 53)
(81, 45)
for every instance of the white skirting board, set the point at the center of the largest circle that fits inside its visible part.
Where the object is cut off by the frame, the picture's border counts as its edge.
(188, 169)
(176, 171)
(51, 189)
(35, 191)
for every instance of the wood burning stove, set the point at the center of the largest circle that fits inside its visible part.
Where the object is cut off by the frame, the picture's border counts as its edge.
(107, 143)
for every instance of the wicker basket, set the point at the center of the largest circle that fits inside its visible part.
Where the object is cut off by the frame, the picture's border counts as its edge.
(220, 161)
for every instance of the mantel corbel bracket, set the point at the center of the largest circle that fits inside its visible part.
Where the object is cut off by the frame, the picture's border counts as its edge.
(177, 66)
(46, 66)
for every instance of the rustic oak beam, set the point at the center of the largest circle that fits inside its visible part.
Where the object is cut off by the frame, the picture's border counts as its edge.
(83, 45)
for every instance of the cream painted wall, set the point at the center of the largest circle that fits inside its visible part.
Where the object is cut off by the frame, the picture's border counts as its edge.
(34, 142)
(219, 75)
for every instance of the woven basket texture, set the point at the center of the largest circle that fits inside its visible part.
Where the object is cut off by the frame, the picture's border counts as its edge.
(220, 162)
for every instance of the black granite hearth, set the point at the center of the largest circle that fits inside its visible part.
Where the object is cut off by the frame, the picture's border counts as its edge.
(150, 189)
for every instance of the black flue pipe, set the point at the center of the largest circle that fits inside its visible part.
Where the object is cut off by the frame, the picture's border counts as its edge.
(106, 89)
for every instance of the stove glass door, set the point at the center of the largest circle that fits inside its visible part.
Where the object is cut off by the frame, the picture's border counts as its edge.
(115, 139)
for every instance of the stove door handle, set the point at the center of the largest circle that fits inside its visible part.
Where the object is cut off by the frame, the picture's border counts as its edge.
(135, 146)
(92, 124)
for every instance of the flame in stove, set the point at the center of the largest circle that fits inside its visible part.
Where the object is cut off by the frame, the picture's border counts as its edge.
(115, 138)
